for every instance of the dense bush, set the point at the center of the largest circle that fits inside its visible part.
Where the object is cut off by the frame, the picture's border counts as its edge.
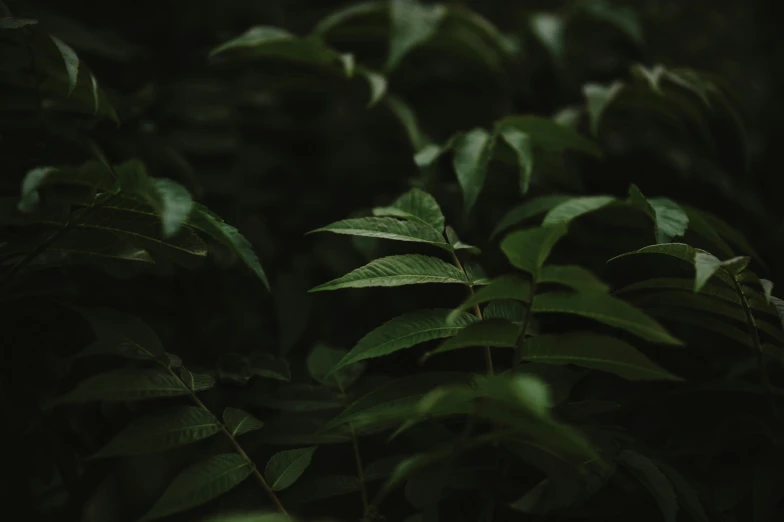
(203, 200)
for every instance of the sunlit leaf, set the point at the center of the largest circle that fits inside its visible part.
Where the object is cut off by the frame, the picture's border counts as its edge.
(201, 483)
(387, 228)
(409, 269)
(706, 265)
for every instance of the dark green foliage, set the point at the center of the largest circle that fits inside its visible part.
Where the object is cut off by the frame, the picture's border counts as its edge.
(587, 252)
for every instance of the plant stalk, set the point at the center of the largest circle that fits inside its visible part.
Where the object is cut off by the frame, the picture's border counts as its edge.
(478, 313)
(752, 325)
(358, 462)
(236, 445)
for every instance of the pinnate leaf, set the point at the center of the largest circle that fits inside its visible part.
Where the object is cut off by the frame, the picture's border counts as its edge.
(522, 145)
(406, 331)
(504, 287)
(158, 432)
(417, 205)
(490, 332)
(408, 269)
(529, 209)
(706, 265)
(606, 309)
(285, 467)
(212, 225)
(528, 249)
(574, 208)
(201, 483)
(239, 422)
(575, 277)
(598, 352)
(412, 24)
(126, 385)
(171, 201)
(387, 228)
(473, 152)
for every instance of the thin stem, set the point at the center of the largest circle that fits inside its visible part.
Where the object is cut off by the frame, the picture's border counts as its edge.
(235, 444)
(478, 313)
(520, 341)
(757, 344)
(358, 462)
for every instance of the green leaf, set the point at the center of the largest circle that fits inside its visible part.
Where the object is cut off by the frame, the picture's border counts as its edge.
(457, 244)
(201, 483)
(196, 382)
(387, 228)
(239, 422)
(412, 24)
(473, 152)
(490, 332)
(575, 277)
(606, 309)
(30, 184)
(285, 467)
(126, 385)
(767, 288)
(598, 352)
(671, 219)
(159, 432)
(504, 287)
(377, 84)
(417, 205)
(404, 332)
(574, 208)
(528, 249)
(340, 16)
(768, 476)
(214, 226)
(522, 145)
(623, 17)
(597, 99)
(529, 209)
(323, 367)
(654, 481)
(119, 333)
(171, 201)
(408, 269)
(706, 265)
(71, 62)
(550, 135)
(391, 402)
(9, 22)
(678, 250)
